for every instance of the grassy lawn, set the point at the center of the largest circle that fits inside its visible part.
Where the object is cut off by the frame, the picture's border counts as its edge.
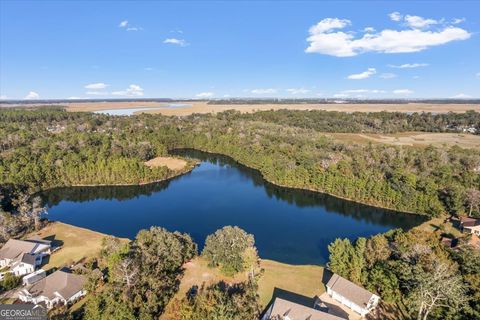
(76, 243)
(301, 279)
(197, 272)
(305, 280)
(438, 223)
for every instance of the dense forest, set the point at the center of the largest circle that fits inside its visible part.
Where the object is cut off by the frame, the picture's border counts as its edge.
(138, 279)
(49, 147)
(413, 271)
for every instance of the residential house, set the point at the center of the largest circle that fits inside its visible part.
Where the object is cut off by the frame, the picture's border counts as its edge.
(23, 256)
(34, 277)
(470, 225)
(282, 309)
(59, 288)
(351, 295)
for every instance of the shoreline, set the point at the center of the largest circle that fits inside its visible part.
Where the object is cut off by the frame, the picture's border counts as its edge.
(188, 169)
(305, 189)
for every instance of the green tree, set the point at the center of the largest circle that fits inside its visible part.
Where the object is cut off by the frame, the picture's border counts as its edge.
(226, 248)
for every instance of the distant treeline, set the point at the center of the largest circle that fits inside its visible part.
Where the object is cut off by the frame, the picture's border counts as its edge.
(378, 122)
(343, 100)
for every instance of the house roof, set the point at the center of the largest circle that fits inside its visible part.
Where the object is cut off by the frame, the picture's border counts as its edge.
(64, 283)
(295, 311)
(350, 290)
(28, 258)
(37, 239)
(15, 248)
(469, 221)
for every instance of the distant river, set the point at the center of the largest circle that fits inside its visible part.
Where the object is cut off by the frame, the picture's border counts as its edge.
(290, 226)
(131, 111)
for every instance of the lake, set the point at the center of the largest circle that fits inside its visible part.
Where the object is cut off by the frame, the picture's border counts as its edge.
(291, 226)
(131, 111)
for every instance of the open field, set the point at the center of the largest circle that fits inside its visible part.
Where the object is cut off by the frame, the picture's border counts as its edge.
(305, 280)
(169, 162)
(419, 139)
(204, 107)
(302, 279)
(76, 243)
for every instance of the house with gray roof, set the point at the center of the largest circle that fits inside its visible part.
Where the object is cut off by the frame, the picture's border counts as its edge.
(351, 295)
(282, 309)
(59, 288)
(21, 257)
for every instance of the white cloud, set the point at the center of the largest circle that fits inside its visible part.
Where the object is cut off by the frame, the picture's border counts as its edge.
(388, 75)
(297, 90)
(74, 98)
(418, 22)
(32, 95)
(329, 24)
(395, 16)
(340, 95)
(96, 86)
(408, 65)
(369, 29)
(263, 91)
(148, 69)
(461, 96)
(324, 39)
(127, 26)
(364, 75)
(3, 97)
(133, 90)
(458, 20)
(416, 77)
(478, 75)
(402, 91)
(178, 42)
(205, 95)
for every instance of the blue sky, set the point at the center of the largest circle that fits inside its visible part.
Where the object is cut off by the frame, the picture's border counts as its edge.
(87, 49)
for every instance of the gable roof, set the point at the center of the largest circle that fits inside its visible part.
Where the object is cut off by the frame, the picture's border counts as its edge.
(37, 239)
(350, 290)
(295, 311)
(469, 221)
(64, 283)
(15, 248)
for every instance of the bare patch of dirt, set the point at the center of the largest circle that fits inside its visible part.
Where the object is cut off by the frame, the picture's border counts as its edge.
(169, 162)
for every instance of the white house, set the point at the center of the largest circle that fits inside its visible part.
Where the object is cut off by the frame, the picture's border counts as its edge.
(351, 295)
(14, 249)
(288, 310)
(22, 257)
(58, 288)
(470, 225)
(34, 277)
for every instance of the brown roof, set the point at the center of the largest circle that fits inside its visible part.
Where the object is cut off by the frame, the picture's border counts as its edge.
(350, 290)
(15, 248)
(66, 284)
(295, 311)
(469, 221)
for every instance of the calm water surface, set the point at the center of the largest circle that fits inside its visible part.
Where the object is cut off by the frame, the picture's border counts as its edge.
(131, 111)
(291, 226)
